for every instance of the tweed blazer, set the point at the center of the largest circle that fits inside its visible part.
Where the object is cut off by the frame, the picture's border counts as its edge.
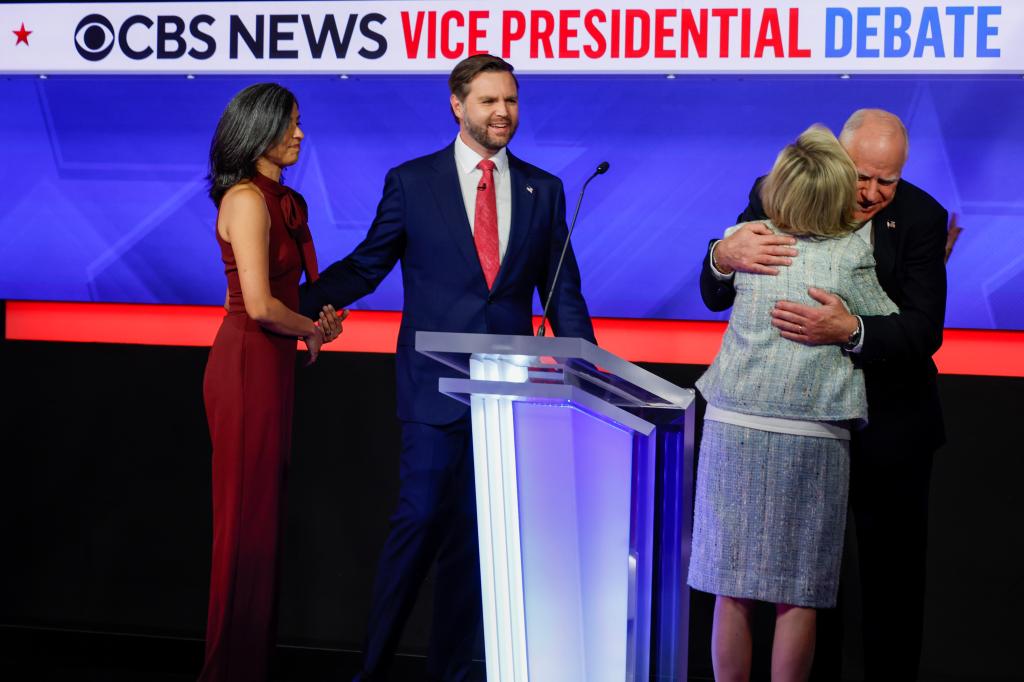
(759, 372)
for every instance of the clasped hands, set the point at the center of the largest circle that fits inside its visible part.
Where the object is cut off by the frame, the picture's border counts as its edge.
(754, 248)
(328, 328)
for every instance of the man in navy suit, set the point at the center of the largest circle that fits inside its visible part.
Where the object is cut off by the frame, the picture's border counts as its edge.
(891, 458)
(477, 231)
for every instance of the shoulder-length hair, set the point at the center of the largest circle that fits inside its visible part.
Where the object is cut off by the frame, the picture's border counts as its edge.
(254, 121)
(812, 189)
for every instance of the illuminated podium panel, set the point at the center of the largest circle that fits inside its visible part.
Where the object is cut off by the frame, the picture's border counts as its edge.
(584, 479)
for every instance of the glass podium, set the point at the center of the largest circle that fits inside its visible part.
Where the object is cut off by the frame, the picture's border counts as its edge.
(584, 478)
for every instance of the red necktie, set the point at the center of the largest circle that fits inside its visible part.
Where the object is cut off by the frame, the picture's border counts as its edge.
(485, 223)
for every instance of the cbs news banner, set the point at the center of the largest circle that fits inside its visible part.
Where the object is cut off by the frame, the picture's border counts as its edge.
(560, 36)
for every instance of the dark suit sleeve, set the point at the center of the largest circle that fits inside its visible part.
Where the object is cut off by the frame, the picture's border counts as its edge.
(362, 271)
(916, 331)
(719, 294)
(754, 209)
(569, 314)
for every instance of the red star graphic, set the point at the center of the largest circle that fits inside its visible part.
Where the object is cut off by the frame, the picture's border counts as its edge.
(22, 35)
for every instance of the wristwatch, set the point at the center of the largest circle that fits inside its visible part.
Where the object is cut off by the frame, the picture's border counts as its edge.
(855, 335)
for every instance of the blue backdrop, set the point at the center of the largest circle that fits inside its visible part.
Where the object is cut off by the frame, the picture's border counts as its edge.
(104, 198)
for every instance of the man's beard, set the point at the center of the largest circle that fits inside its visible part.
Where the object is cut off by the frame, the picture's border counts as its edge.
(483, 137)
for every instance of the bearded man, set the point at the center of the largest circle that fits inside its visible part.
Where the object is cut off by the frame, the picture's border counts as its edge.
(477, 231)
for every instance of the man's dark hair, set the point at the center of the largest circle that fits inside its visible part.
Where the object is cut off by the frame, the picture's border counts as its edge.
(254, 121)
(471, 67)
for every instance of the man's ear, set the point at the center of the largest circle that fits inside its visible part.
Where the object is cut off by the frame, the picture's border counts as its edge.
(456, 107)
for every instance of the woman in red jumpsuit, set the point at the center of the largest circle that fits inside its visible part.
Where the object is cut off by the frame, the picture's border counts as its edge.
(248, 387)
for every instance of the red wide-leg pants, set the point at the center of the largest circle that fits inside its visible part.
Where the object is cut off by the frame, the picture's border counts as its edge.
(249, 391)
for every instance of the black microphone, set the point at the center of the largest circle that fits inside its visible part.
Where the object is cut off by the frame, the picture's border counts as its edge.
(602, 168)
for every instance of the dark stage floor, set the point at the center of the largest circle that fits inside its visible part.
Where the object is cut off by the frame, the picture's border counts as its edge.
(54, 655)
(47, 655)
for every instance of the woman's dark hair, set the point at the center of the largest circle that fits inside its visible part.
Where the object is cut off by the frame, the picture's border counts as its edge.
(254, 121)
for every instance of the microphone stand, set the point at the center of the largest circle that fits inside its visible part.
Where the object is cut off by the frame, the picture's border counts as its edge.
(602, 168)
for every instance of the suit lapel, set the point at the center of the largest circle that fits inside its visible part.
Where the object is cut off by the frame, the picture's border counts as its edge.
(523, 203)
(885, 231)
(448, 195)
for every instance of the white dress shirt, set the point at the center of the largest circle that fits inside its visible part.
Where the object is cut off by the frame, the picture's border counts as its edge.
(469, 178)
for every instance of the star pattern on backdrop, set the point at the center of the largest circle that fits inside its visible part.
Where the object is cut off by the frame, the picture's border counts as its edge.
(22, 34)
(62, 238)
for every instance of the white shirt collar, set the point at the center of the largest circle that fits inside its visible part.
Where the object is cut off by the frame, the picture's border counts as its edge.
(467, 159)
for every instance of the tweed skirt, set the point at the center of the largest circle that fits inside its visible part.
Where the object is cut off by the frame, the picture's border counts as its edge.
(769, 515)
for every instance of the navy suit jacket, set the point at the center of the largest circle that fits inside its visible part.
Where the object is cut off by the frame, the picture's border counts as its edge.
(909, 246)
(421, 221)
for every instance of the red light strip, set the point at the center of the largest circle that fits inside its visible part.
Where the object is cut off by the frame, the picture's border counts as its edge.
(168, 325)
(964, 351)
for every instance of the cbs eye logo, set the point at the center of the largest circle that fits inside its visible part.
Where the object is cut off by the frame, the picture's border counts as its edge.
(94, 37)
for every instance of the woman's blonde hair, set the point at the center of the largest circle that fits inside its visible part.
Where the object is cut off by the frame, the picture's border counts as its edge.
(812, 188)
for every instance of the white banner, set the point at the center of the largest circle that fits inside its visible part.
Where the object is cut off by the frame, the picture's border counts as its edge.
(536, 36)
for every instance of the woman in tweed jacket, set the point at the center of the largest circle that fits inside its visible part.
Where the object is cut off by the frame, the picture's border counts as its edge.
(773, 471)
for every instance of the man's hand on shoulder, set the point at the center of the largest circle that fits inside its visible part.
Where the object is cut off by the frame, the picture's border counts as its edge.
(815, 325)
(753, 248)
